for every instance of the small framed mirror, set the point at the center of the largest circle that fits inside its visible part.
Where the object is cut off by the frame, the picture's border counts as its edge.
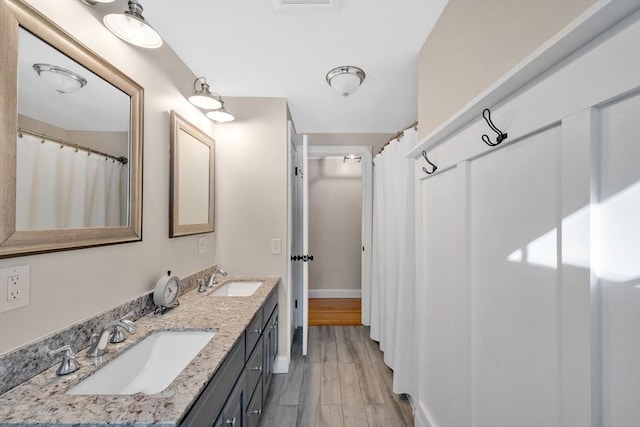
(70, 141)
(191, 196)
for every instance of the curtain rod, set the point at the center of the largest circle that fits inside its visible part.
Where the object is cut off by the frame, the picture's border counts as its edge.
(77, 147)
(399, 134)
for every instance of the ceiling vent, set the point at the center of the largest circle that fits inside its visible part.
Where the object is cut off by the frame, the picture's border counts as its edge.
(306, 5)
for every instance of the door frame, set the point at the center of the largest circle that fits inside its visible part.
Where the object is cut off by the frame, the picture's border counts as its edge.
(319, 151)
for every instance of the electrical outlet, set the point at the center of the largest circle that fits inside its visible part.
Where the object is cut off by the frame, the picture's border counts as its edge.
(14, 287)
(202, 245)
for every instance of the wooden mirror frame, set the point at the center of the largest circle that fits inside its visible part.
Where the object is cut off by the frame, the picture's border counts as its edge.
(179, 124)
(13, 15)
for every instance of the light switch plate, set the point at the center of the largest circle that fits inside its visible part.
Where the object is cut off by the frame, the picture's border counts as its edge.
(276, 246)
(14, 287)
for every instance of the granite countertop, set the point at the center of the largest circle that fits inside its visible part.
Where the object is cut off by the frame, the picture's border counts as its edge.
(43, 399)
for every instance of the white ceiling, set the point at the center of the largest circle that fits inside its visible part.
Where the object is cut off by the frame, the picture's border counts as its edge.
(246, 48)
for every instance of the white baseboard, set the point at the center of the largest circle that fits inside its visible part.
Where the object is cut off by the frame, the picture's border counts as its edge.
(335, 293)
(281, 365)
(421, 418)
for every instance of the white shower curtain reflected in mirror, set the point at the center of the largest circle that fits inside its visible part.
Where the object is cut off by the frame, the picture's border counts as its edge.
(393, 287)
(59, 187)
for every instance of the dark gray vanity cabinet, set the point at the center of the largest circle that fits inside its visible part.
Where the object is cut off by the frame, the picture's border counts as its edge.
(232, 412)
(270, 350)
(209, 405)
(236, 393)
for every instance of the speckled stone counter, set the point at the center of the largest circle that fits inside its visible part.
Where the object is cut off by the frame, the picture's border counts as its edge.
(43, 400)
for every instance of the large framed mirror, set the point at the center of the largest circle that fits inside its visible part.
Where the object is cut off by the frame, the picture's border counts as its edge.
(191, 196)
(71, 141)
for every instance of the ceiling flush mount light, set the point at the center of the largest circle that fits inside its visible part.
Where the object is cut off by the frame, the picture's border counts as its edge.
(61, 79)
(202, 97)
(345, 79)
(131, 27)
(352, 158)
(220, 115)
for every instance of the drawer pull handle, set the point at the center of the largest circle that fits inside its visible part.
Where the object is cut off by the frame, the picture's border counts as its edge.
(255, 331)
(256, 368)
(258, 412)
(231, 421)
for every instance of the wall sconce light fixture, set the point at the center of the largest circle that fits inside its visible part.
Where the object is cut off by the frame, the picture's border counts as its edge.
(203, 98)
(220, 115)
(131, 27)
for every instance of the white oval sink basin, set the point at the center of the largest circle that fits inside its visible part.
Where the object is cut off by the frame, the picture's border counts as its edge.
(149, 366)
(237, 288)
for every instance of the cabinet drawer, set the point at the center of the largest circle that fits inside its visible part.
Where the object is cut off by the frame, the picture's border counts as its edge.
(254, 330)
(212, 399)
(254, 410)
(231, 415)
(254, 368)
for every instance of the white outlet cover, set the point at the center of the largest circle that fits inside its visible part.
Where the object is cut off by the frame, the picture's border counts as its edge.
(202, 245)
(23, 271)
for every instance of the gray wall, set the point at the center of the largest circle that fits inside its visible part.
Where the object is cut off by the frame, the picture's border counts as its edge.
(335, 224)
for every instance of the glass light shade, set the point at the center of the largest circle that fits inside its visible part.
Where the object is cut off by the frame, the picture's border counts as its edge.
(132, 29)
(204, 100)
(60, 79)
(346, 79)
(220, 115)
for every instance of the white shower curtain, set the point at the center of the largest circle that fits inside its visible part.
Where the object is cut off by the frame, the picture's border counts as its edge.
(61, 188)
(393, 278)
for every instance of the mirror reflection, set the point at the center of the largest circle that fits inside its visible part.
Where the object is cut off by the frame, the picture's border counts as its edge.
(73, 143)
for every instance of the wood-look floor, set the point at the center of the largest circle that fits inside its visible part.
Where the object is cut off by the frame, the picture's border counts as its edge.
(342, 381)
(335, 311)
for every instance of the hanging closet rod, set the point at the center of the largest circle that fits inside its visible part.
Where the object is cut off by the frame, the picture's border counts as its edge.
(399, 134)
(77, 147)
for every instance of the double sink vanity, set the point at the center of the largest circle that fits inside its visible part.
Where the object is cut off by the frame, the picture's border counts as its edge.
(207, 362)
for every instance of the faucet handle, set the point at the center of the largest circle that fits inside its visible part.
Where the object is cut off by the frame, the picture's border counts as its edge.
(69, 362)
(118, 335)
(120, 326)
(202, 284)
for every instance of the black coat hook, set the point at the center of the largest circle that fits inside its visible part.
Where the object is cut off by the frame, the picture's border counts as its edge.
(486, 114)
(435, 168)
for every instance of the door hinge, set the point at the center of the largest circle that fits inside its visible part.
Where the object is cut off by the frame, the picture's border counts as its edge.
(296, 305)
(296, 171)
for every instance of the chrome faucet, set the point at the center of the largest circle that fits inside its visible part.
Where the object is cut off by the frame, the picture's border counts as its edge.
(69, 362)
(213, 280)
(214, 277)
(99, 345)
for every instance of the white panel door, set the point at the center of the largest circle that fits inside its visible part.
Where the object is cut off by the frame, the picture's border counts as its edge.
(514, 214)
(617, 261)
(305, 244)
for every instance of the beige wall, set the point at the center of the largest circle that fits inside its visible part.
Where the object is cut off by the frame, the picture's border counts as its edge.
(475, 42)
(373, 140)
(251, 192)
(72, 285)
(335, 223)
